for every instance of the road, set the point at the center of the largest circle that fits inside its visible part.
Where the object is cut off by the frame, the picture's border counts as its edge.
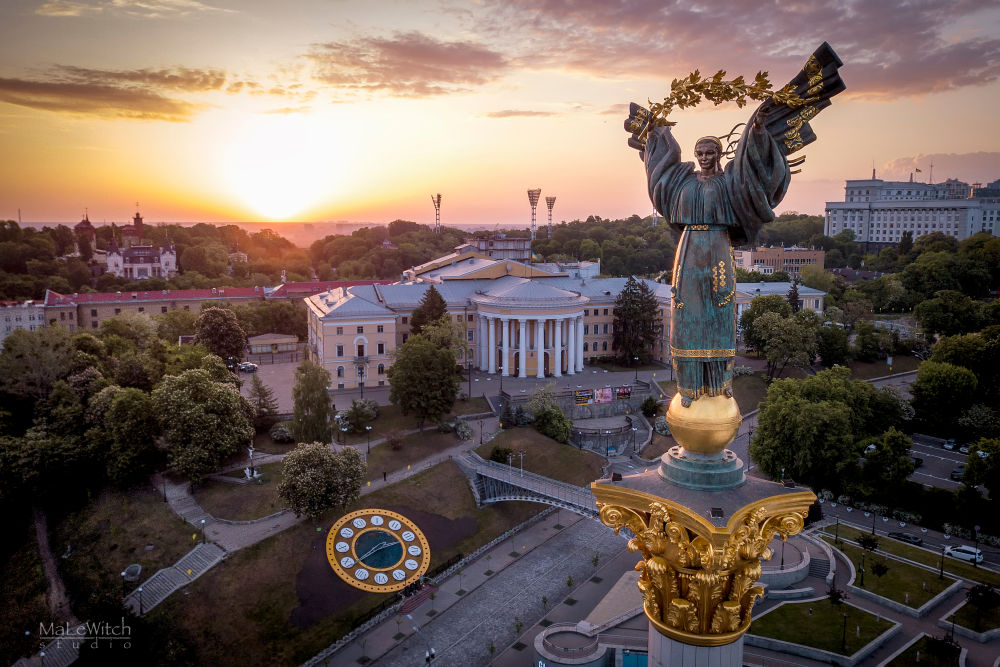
(938, 462)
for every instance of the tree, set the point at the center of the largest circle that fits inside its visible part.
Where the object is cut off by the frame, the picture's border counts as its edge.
(880, 568)
(793, 296)
(31, 362)
(940, 393)
(83, 245)
(203, 422)
(868, 542)
(313, 410)
(949, 313)
(815, 277)
(905, 244)
(887, 467)
(984, 598)
(984, 470)
(785, 341)
(833, 346)
(218, 330)
(132, 428)
(265, 407)
(771, 303)
(422, 380)
(174, 324)
(554, 424)
(962, 351)
(637, 323)
(431, 309)
(317, 479)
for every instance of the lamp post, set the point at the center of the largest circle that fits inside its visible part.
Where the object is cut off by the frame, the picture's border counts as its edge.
(369, 430)
(862, 569)
(521, 452)
(202, 531)
(510, 468)
(123, 585)
(836, 535)
(252, 471)
(782, 566)
(873, 522)
(636, 360)
(941, 573)
(634, 429)
(140, 599)
(843, 639)
(607, 444)
(429, 653)
(361, 381)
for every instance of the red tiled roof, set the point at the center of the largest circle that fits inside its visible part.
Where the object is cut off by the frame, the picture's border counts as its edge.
(316, 288)
(56, 299)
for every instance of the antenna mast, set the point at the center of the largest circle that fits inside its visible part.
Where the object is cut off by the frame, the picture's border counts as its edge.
(533, 196)
(436, 200)
(550, 202)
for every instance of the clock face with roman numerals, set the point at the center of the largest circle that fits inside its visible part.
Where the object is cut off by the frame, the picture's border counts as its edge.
(377, 550)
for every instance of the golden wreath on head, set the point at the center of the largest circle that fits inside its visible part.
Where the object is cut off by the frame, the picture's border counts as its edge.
(714, 140)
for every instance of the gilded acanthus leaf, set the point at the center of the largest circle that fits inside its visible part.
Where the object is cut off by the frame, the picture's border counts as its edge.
(690, 91)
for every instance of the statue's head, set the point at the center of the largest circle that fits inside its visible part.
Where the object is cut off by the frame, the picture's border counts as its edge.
(708, 152)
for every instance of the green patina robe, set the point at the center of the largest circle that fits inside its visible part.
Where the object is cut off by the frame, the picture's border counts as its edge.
(713, 215)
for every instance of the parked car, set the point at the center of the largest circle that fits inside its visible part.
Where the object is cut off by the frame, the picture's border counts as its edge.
(965, 553)
(908, 538)
(917, 461)
(248, 367)
(982, 454)
(957, 473)
(964, 449)
(949, 444)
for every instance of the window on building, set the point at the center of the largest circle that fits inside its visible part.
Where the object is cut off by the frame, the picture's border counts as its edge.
(605, 312)
(187, 307)
(163, 309)
(340, 350)
(381, 348)
(340, 372)
(62, 316)
(586, 329)
(381, 369)
(380, 329)
(405, 320)
(93, 324)
(141, 309)
(340, 331)
(381, 383)
(361, 350)
(605, 328)
(93, 312)
(586, 347)
(361, 330)
(604, 345)
(470, 335)
(405, 336)
(586, 313)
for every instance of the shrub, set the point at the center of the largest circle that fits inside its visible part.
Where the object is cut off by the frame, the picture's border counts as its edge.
(507, 417)
(281, 433)
(462, 430)
(394, 438)
(500, 454)
(649, 406)
(661, 426)
(553, 423)
(742, 370)
(825, 494)
(443, 427)
(836, 595)
(521, 417)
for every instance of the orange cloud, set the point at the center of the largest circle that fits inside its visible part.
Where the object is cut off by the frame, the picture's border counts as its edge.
(517, 113)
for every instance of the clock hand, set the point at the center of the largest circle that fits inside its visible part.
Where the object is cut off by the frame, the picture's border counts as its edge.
(378, 547)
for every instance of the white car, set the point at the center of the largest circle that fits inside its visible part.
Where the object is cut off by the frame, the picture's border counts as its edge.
(965, 553)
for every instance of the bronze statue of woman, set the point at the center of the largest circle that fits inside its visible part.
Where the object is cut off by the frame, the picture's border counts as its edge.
(715, 209)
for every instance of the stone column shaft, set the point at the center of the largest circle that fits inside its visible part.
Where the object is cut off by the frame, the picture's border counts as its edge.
(571, 347)
(492, 352)
(505, 325)
(523, 352)
(557, 338)
(540, 348)
(579, 344)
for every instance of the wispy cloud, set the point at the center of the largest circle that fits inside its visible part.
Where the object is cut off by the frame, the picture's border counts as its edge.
(892, 48)
(289, 110)
(145, 94)
(517, 113)
(141, 8)
(408, 64)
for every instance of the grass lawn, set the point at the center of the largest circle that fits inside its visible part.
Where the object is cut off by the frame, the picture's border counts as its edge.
(862, 370)
(115, 530)
(243, 502)
(749, 391)
(239, 613)
(902, 578)
(909, 657)
(668, 388)
(416, 446)
(929, 558)
(545, 456)
(389, 417)
(657, 447)
(824, 629)
(968, 616)
(263, 443)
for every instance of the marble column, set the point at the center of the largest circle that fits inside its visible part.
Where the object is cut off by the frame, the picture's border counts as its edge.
(540, 348)
(522, 370)
(481, 344)
(579, 344)
(505, 365)
(557, 340)
(491, 324)
(571, 346)
(666, 652)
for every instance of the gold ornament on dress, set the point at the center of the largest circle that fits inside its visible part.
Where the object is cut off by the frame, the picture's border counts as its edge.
(697, 580)
(688, 354)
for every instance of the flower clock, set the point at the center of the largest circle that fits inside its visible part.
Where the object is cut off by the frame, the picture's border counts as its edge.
(377, 550)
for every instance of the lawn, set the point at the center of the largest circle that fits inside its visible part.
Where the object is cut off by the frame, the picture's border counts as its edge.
(389, 417)
(823, 628)
(929, 558)
(657, 447)
(749, 391)
(909, 657)
(668, 388)
(902, 578)
(243, 502)
(248, 610)
(545, 456)
(416, 447)
(969, 617)
(862, 370)
(115, 530)
(265, 445)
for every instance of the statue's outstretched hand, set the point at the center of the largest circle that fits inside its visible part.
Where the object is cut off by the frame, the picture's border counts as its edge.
(760, 118)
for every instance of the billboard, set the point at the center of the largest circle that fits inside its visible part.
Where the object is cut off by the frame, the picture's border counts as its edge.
(623, 393)
(584, 396)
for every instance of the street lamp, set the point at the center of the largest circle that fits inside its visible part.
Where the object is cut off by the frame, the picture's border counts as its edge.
(480, 431)
(636, 360)
(123, 585)
(202, 531)
(521, 452)
(369, 429)
(634, 429)
(361, 381)
(607, 444)
(140, 599)
(429, 653)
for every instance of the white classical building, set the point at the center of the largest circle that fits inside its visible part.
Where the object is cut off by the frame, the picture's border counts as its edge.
(16, 315)
(142, 261)
(879, 212)
(536, 326)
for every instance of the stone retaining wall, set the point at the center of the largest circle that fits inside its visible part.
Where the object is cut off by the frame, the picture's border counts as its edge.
(981, 637)
(902, 608)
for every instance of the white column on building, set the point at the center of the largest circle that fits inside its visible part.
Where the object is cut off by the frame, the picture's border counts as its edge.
(557, 338)
(579, 344)
(540, 348)
(505, 325)
(481, 343)
(523, 354)
(491, 324)
(571, 346)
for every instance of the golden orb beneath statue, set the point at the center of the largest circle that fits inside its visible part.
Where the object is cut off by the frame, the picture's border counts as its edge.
(707, 426)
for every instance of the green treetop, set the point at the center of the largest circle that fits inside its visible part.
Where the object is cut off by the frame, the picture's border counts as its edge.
(422, 379)
(432, 307)
(637, 323)
(313, 411)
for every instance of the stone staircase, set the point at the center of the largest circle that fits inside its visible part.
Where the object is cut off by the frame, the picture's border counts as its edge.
(819, 567)
(418, 599)
(157, 588)
(189, 510)
(58, 653)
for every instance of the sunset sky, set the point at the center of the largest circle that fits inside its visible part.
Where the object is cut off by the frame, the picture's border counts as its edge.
(307, 110)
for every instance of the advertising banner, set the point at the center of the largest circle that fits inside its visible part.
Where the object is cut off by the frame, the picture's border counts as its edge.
(623, 392)
(603, 395)
(584, 396)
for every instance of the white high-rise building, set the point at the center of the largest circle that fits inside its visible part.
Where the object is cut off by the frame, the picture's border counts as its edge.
(879, 212)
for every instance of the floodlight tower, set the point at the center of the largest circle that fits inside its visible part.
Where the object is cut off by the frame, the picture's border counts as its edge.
(533, 196)
(550, 202)
(436, 200)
